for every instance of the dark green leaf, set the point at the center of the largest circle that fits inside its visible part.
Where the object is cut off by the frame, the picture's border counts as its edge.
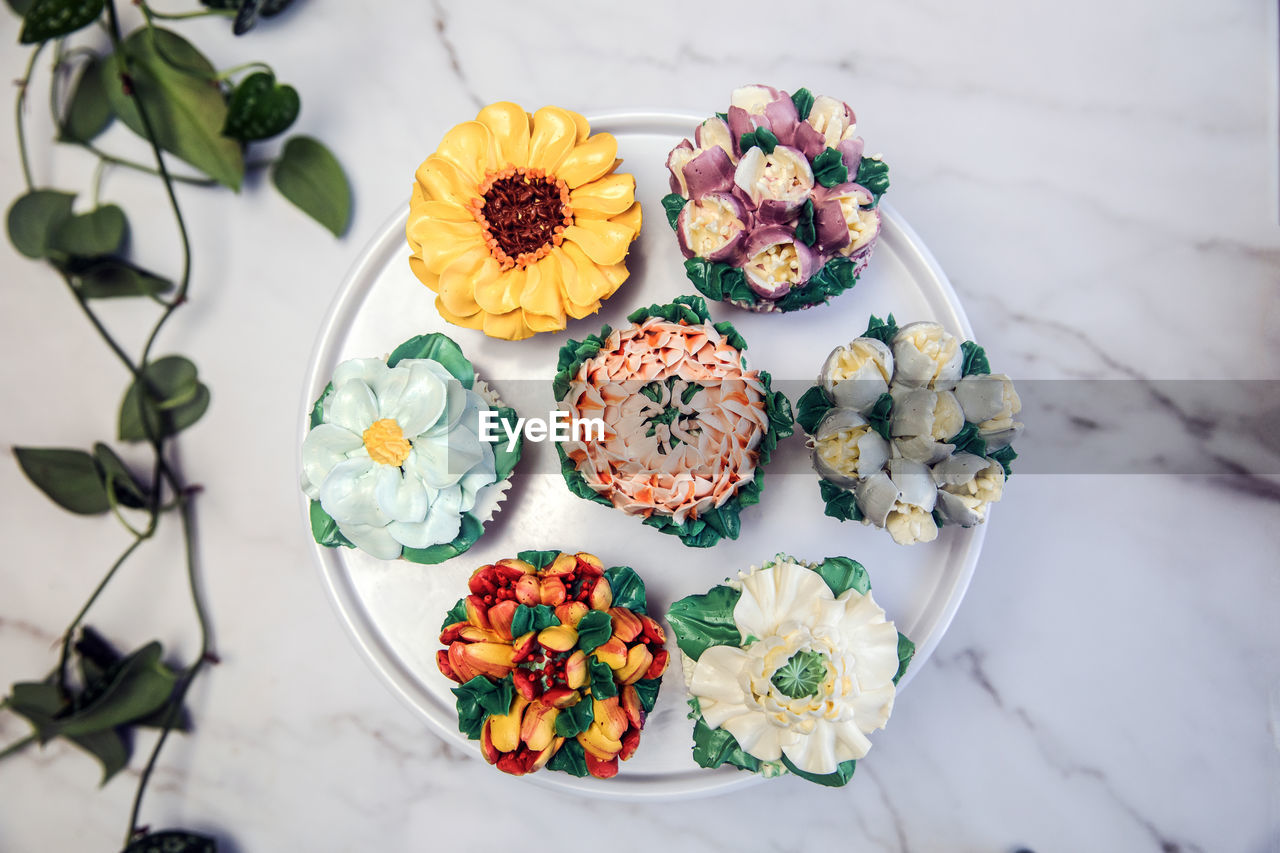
(309, 176)
(325, 530)
(89, 111)
(702, 621)
(176, 85)
(803, 99)
(505, 453)
(719, 281)
(69, 477)
(835, 277)
(127, 489)
(456, 614)
(37, 702)
(87, 235)
(714, 747)
(34, 218)
(647, 690)
(271, 8)
(806, 232)
(46, 19)
(246, 16)
(594, 630)
(882, 330)
(811, 408)
(841, 504)
(172, 841)
(538, 559)
(938, 520)
(175, 400)
(317, 411)
(436, 347)
(108, 748)
(975, 359)
(967, 440)
(842, 574)
(110, 278)
(533, 618)
(628, 588)
(1005, 457)
(829, 168)
(874, 175)
(880, 415)
(468, 534)
(480, 698)
(673, 203)
(20, 7)
(260, 108)
(575, 719)
(132, 688)
(838, 779)
(906, 651)
(602, 684)
(569, 758)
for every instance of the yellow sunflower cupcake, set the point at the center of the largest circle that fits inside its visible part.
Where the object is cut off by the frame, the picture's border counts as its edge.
(519, 221)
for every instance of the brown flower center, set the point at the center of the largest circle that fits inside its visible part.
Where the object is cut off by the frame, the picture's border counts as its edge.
(523, 213)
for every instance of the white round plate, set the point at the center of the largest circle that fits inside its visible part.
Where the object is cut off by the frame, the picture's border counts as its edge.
(394, 609)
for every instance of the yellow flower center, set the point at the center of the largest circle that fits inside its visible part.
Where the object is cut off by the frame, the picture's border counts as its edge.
(523, 213)
(386, 443)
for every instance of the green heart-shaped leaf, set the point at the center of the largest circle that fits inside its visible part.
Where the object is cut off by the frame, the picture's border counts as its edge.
(107, 278)
(46, 19)
(35, 217)
(69, 477)
(260, 108)
(309, 176)
(176, 85)
(128, 491)
(89, 110)
(132, 688)
(172, 841)
(88, 235)
(176, 399)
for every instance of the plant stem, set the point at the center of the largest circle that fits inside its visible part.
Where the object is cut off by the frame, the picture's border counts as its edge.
(183, 16)
(22, 102)
(141, 167)
(102, 584)
(236, 69)
(17, 746)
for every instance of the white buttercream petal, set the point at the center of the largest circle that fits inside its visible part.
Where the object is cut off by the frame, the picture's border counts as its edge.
(322, 449)
(781, 593)
(417, 404)
(443, 460)
(481, 476)
(349, 495)
(352, 405)
(756, 735)
(718, 674)
(458, 401)
(372, 539)
(850, 741)
(871, 709)
(816, 751)
(366, 370)
(439, 526)
(401, 495)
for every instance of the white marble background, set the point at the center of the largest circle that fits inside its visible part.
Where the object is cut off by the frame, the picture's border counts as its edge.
(1098, 178)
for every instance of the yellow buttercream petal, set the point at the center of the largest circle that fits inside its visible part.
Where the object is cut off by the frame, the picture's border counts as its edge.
(500, 294)
(471, 147)
(540, 323)
(441, 181)
(583, 126)
(577, 312)
(509, 124)
(554, 135)
(580, 279)
(604, 241)
(542, 290)
(444, 210)
(424, 275)
(604, 197)
(508, 327)
(443, 241)
(632, 218)
(475, 321)
(588, 160)
(458, 281)
(615, 275)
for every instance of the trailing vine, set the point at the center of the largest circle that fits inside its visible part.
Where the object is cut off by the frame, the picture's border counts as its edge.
(160, 86)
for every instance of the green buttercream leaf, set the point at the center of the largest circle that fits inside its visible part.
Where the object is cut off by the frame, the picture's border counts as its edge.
(874, 175)
(436, 347)
(534, 618)
(805, 231)
(576, 482)
(506, 454)
(714, 747)
(628, 588)
(838, 779)
(647, 690)
(673, 203)
(724, 117)
(882, 330)
(480, 698)
(967, 440)
(602, 684)
(325, 529)
(731, 336)
(317, 411)
(456, 614)
(569, 758)
(538, 559)
(803, 99)
(842, 574)
(829, 168)
(880, 415)
(467, 535)
(835, 277)
(1005, 457)
(594, 629)
(938, 520)
(720, 281)
(702, 621)
(906, 650)
(811, 408)
(575, 719)
(841, 503)
(975, 359)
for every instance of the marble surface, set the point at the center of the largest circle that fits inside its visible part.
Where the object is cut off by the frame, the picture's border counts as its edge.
(1100, 182)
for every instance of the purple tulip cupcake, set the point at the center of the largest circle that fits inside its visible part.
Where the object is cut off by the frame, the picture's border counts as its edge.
(773, 203)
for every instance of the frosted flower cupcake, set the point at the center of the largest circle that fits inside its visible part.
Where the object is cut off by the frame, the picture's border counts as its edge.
(519, 221)
(789, 668)
(773, 203)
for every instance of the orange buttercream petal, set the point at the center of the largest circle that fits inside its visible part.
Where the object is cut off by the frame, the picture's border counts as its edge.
(608, 196)
(509, 124)
(588, 161)
(471, 147)
(604, 241)
(554, 135)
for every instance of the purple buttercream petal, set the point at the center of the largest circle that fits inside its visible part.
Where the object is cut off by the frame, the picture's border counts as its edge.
(832, 230)
(709, 172)
(782, 118)
(774, 212)
(740, 122)
(808, 140)
(674, 160)
(851, 152)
